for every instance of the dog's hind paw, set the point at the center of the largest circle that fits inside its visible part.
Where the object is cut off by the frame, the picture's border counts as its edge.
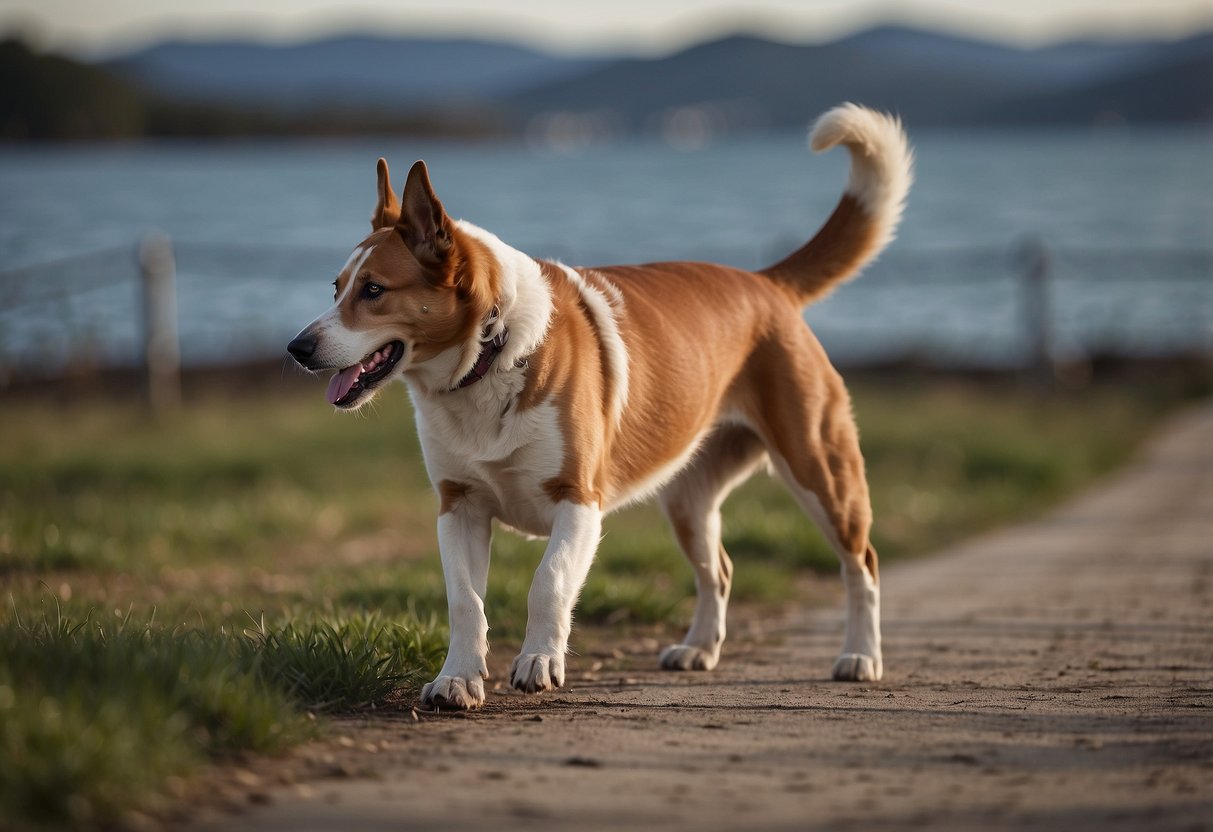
(453, 693)
(535, 672)
(856, 667)
(687, 657)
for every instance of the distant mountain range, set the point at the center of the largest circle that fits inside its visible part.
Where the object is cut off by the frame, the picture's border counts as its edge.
(376, 84)
(392, 73)
(930, 79)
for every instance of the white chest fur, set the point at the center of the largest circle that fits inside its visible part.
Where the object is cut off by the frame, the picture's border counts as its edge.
(504, 457)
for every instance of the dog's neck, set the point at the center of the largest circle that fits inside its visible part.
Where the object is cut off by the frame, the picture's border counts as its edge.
(489, 350)
(519, 323)
(525, 300)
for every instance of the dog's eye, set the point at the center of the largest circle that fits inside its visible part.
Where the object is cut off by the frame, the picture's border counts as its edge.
(371, 290)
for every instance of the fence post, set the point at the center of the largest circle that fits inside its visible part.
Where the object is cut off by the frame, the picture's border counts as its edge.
(162, 354)
(1033, 258)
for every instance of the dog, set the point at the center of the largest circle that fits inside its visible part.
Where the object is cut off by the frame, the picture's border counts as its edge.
(548, 396)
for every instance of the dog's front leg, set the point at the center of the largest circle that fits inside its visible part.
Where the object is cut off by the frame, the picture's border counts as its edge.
(558, 580)
(463, 540)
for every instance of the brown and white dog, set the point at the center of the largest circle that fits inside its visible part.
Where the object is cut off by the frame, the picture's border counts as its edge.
(548, 396)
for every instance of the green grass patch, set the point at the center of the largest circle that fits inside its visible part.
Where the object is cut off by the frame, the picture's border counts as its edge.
(358, 661)
(104, 489)
(95, 716)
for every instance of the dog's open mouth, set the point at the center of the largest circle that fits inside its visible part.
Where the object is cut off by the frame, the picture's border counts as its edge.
(349, 385)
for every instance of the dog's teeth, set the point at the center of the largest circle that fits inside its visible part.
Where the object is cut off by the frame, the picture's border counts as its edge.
(376, 359)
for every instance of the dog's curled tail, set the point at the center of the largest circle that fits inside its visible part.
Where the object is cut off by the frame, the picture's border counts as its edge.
(864, 222)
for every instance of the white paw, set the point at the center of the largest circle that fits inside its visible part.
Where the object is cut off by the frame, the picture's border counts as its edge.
(533, 672)
(453, 693)
(856, 667)
(688, 657)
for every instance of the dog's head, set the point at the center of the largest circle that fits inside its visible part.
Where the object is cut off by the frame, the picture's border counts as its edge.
(415, 290)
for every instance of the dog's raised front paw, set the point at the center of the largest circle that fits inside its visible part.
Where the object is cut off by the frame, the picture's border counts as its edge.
(453, 693)
(533, 672)
(856, 667)
(687, 657)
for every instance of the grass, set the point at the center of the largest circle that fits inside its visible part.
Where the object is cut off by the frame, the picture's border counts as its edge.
(183, 591)
(219, 484)
(94, 717)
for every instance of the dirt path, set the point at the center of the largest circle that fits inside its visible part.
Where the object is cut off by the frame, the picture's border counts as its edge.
(1057, 675)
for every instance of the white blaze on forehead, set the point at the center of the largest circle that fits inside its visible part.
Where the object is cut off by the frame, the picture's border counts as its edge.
(352, 266)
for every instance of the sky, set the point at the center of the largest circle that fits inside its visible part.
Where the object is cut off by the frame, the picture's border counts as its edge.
(641, 27)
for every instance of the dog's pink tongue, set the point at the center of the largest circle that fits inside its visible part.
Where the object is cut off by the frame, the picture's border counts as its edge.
(341, 383)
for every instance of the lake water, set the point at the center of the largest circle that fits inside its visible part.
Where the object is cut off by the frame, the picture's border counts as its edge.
(261, 227)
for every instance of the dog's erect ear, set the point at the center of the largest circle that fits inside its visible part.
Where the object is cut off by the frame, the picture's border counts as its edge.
(423, 224)
(387, 209)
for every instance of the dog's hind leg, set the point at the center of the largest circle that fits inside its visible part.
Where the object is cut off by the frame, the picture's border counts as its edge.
(692, 503)
(839, 513)
(807, 424)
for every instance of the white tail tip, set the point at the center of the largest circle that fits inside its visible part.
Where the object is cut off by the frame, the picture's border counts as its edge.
(882, 163)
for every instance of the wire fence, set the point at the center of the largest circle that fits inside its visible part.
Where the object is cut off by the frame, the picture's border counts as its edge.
(972, 307)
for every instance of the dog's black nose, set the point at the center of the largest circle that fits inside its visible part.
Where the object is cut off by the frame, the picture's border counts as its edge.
(302, 347)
